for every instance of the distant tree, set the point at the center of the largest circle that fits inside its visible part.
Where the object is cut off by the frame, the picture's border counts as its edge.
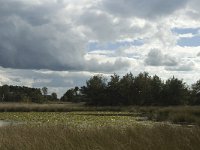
(195, 93)
(44, 91)
(156, 90)
(76, 89)
(69, 95)
(142, 89)
(73, 95)
(175, 92)
(113, 90)
(20, 94)
(126, 90)
(54, 96)
(5, 92)
(95, 90)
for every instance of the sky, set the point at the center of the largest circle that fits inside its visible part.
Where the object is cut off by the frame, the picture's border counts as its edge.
(62, 43)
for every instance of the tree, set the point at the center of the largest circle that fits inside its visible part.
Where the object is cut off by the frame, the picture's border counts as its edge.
(113, 90)
(20, 94)
(76, 89)
(44, 91)
(69, 95)
(156, 90)
(95, 90)
(73, 95)
(129, 90)
(175, 92)
(126, 89)
(5, 92)
(195, 93)
(142, 89)
(54, 96)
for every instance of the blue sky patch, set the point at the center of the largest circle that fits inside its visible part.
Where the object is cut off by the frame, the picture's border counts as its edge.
(186, 30)
(192, 42)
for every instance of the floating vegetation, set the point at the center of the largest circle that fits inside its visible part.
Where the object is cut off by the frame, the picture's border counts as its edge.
(82, 119)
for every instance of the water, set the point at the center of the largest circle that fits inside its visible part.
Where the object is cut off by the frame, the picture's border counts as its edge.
(7, 123)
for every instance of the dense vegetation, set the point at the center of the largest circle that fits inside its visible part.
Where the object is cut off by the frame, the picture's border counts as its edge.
(99, 116)
(142, 90)
(59, 137)
(104, 130)
(25, 94)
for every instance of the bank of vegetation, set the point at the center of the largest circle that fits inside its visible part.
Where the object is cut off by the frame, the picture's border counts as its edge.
(158, 137)
(10, 93)
(140, 90)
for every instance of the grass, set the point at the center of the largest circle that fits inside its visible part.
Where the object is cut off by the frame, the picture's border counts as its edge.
(59, 137)
(178, 115)
(101, 130)
(32, 107)
(53, 107)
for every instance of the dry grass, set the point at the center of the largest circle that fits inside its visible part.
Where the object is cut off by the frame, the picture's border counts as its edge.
(162, 137)
(107, 131)
(32, 107)
(52, 107)
(178, 114)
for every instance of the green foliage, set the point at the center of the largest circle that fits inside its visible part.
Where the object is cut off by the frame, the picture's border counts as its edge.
(54, 96)
(22, 94)
(95, 90)
(195, 93)
(139, 90)
(72, 95)
(125, 86)
(174, 92)
(189, 115)
(113, 90)
(44, 91)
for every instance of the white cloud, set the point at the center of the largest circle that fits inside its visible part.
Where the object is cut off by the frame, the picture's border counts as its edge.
(54, 35)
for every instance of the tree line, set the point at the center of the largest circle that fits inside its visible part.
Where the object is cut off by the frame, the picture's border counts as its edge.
(25, 94)
(142, 90)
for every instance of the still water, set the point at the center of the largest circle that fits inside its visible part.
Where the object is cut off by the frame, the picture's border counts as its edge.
(7, 123)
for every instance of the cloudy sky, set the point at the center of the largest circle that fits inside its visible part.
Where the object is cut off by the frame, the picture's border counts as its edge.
(62, 43)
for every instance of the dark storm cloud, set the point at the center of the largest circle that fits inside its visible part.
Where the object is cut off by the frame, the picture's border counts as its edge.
(143, 8)
(35, 36)
(29, 38)
(156, 58)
